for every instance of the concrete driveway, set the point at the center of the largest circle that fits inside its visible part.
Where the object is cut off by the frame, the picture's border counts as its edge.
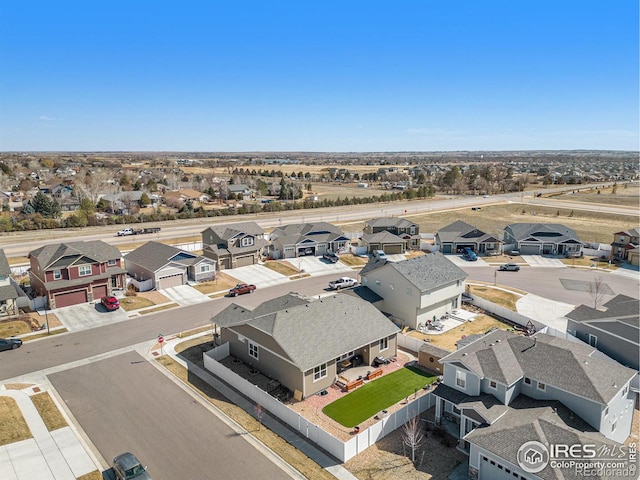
(540, 261)
(318, 266)
(547, 312)
(185, 295)
(461, 262)
(258, 275)
(88, 315)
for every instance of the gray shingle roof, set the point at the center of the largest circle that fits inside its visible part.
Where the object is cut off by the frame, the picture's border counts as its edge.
(5, 270)
(8, 292)
(460, 231)
(227, 231)
(522, 231)
(382, 237)
(397, 222)
(618, 306)
(373, 264)
(96, 250)
(428, 272)
(320, 330)
(155, 255)
(543, 421)
(506, 357)
(295, 233)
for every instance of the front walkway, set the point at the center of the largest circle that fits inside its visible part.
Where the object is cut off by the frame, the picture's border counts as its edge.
(56, 455)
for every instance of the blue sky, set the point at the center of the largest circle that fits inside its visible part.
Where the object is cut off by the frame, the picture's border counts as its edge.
(319, 76)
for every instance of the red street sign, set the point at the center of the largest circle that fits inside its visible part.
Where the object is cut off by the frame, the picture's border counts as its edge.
(160, 339)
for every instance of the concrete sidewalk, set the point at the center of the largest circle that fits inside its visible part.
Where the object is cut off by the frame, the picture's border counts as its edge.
(272, 423)
(57, 455)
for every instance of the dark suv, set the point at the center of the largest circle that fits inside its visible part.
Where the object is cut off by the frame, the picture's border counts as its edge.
(330, 257)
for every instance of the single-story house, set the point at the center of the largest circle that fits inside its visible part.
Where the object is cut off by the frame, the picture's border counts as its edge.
(300, 239)
(300, 342)
(457, 236)
(542, 239)
(167, 266)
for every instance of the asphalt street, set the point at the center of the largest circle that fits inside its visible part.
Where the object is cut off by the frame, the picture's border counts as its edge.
(176, 436)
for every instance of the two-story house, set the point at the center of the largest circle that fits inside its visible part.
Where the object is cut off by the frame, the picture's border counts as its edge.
(300, 239)
(454, 238)
(8, 292)
(613, 329)
(542, 239)
(417, 289)
(392, 235)
(494, 383)
(624, 242)
(233, 245)
(241, 191)
(75, 272)
(300, 342)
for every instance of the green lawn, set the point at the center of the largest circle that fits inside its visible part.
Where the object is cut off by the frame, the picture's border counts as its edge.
(377, 395)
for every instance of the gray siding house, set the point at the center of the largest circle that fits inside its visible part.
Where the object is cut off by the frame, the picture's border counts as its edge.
(167, 266)
(299, 341)
(455, 237)
(233, 245)
(542, 239)
(496, 387)
(417, 289)
(8, 292)
(614, 330)
(300, 239)
(402, 235)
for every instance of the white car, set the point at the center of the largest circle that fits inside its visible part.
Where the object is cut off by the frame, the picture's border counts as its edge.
(342, 282)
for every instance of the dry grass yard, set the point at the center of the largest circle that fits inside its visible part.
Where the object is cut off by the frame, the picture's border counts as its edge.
(223, 282)
(48, 411)
(281, 266)
(625, 195)
(13, 427)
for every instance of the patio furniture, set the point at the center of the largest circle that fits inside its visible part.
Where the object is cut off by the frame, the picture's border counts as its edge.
(375, 374)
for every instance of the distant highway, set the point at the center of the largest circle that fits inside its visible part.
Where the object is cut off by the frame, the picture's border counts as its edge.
(19, 244)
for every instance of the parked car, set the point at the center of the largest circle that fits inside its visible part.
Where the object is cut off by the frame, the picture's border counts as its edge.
(306, 251)
(127, 467)
(10, 343)
(379, 254)
(342, 282)
(470, 254)
(110, 303)
(515, 252)
(509, 267)
(331, 257)
(241, 289)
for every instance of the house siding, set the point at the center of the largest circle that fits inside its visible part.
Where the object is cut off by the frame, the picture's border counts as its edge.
(499, 392)
(472, 381)
(620, 411)
(621, 350)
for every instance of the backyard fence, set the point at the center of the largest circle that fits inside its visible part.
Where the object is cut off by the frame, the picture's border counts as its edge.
(510, 315)
(343, 451)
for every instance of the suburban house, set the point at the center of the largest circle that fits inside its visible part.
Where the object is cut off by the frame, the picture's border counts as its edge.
(8, 292)
(503, 390)
(75, 272)
(299, 239)
(183, 195)
(300, 342)
(165, 266)
(392, 235)
(454, 238)
(417, 289)
(124, 202)
(625, 242)
(613, 329)
(241, 191)
(542, 239)
(233, 245)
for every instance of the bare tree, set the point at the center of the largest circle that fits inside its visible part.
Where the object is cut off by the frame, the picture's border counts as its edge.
(412, 436)
(597, 291)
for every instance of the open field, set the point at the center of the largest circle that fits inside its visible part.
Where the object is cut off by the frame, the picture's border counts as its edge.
(625, 195)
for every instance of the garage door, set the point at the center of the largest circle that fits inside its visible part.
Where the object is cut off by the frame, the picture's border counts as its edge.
(530, 250)
(446, 248)
(393, 249)
(244, 261)
(99, 291)
(71, 298)
(170, 281)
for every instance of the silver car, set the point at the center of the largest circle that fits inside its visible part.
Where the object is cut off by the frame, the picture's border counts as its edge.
(509, 267)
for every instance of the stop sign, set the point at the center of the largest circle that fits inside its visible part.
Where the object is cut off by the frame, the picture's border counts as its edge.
(160, 339)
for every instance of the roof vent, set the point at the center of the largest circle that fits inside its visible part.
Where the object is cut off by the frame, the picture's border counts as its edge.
(464, 354)
(498, 341)
(491, 344)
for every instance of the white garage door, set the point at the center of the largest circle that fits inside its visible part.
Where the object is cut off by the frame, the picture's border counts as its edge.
(170, 281)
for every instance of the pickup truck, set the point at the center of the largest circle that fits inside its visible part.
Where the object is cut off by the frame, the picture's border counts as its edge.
(241, 289)
(137, 231)
(342, 282)
(127, 467)
(331, 257)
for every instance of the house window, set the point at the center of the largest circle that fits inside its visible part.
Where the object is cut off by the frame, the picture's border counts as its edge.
(84, 270)
(247, 241)
(412, 230)
(614, 425)
(541, 386)
(461, 379)
(527, 381)
(111, 263)
(606, 411)
(493, 384)
(205, 268)
(320, 372)
(57, 274)
(384, 343)
(593, 340)
(253, 350)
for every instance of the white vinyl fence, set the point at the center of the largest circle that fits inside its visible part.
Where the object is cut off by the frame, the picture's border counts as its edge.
(343, 451)
(503, 312)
